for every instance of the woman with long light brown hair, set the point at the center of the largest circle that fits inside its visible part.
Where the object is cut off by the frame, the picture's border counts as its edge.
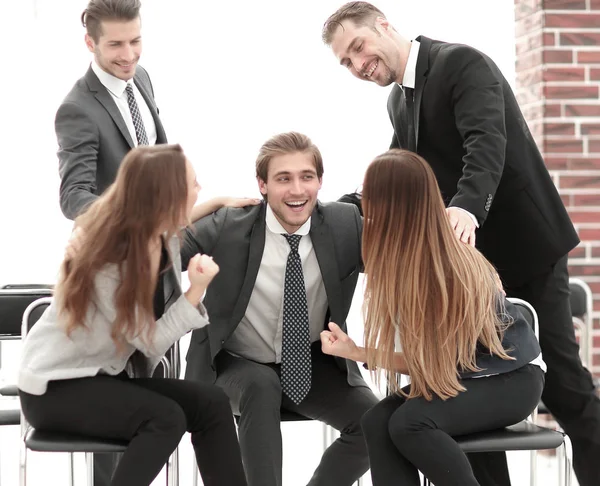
(87, 364)
(433, 310)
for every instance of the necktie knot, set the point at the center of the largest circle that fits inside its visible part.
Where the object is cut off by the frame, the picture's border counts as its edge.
(294, 241)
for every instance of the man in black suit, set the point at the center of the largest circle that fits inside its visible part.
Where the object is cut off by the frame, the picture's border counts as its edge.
(264, 353)
(451, 104)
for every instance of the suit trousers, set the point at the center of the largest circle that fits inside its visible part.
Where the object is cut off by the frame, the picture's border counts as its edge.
(407, 436)
(152, 414)
(569, 392)
(254, 390)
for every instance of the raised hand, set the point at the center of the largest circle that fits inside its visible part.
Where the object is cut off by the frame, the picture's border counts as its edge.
(337, 343)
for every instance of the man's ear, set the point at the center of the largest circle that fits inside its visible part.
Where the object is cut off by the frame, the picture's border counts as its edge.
(262, 186)
(383, 25)
(89, 42)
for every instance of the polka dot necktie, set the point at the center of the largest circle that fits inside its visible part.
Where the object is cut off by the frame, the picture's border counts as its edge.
(138, 123)
(295, 340)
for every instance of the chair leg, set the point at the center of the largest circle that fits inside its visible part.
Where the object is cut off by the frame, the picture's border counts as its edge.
(172, 470)
(568, 462)
(23, 464)
(195, 474)
(89, 466)
(72, 469)
(533, 468)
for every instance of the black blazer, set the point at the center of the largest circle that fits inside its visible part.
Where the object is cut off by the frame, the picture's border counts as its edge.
(469, 128)
(235, 238)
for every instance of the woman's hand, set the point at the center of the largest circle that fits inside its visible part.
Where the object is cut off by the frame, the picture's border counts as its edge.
(337, 343)
(239, 202)
(201, 270)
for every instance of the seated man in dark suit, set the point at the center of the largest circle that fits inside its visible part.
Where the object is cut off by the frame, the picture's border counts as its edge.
(287, 267)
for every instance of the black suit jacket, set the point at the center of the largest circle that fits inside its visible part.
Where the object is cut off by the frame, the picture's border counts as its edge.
(469, 128)
(235, 238)
(93, 139)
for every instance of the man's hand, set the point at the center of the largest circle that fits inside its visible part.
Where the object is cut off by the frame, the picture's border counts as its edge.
(74, 243)
(337, 343)
(462, 224)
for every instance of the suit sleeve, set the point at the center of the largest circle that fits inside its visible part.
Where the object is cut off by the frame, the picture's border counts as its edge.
(478, 104)
(202, 236)
(78, 141)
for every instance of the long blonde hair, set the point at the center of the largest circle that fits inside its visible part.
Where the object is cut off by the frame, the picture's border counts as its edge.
(438, 294)
(150, 192)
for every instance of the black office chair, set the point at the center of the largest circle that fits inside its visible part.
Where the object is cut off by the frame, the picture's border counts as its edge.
(524, 436)
(41, 441)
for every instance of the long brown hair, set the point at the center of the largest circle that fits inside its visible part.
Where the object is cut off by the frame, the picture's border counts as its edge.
(149, 195)
(438, 294)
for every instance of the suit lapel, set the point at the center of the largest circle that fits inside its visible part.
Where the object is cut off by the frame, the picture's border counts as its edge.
(322, 241)
(420, 78)
(161, 136)
(106, 100)
(255, 253)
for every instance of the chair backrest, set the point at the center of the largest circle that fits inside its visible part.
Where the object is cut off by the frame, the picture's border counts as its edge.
(33, 313)
(582, 304)
(13, 303)
(528, 313)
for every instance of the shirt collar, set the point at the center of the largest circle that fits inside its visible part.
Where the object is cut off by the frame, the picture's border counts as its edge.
(274, 225)
(410, 71)
(113, 84)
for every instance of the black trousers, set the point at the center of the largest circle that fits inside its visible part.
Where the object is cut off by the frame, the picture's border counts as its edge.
(153, 415)
(255, 393)
(407, 436)
(569, 391)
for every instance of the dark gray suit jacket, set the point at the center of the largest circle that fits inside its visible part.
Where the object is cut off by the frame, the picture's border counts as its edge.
(93, 139)
(235, 237)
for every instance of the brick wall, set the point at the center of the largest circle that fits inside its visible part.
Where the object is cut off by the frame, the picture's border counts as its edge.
(558, 88)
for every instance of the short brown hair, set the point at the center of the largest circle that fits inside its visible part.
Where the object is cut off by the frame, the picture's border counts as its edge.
(360, 13)
(100, 10)
(286, 143)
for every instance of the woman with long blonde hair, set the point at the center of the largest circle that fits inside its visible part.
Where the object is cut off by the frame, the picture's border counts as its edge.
(87, 364)
(433, 310)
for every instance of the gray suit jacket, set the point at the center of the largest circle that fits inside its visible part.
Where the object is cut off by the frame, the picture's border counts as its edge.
(93, 139)
(235, 237)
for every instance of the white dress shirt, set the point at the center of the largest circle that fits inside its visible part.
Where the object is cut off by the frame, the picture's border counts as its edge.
(258, 335)
(116, 88)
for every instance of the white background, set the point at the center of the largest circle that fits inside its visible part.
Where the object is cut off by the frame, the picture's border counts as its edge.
(227, 75)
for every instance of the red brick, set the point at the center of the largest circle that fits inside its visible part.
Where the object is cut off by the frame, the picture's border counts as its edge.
(594, 4)
(571, 92)
(594, 146)
(590, 128)
(525, 8)
(553, 110)
(529, 24)
(577, 252)
(583, 163)
(556, 56)
(578, 216)
(588, 57)
(529, 43)
(596, 341)
(566, 199)
(555, 128)
(579, 38)
(563, 146)
(596, 360)
(529, 60)
(549, 39)
(564, 5)
(586, 199)
(595, 74)
(596, 254)
(579, 182)
(557, 163)
(529, 77)
(594, 286)
(582, 110)
(564, 74)
(591, 270)
(577, 20)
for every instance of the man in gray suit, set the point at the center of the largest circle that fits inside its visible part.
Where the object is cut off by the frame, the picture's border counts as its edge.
(110, 110)
(268, 305)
